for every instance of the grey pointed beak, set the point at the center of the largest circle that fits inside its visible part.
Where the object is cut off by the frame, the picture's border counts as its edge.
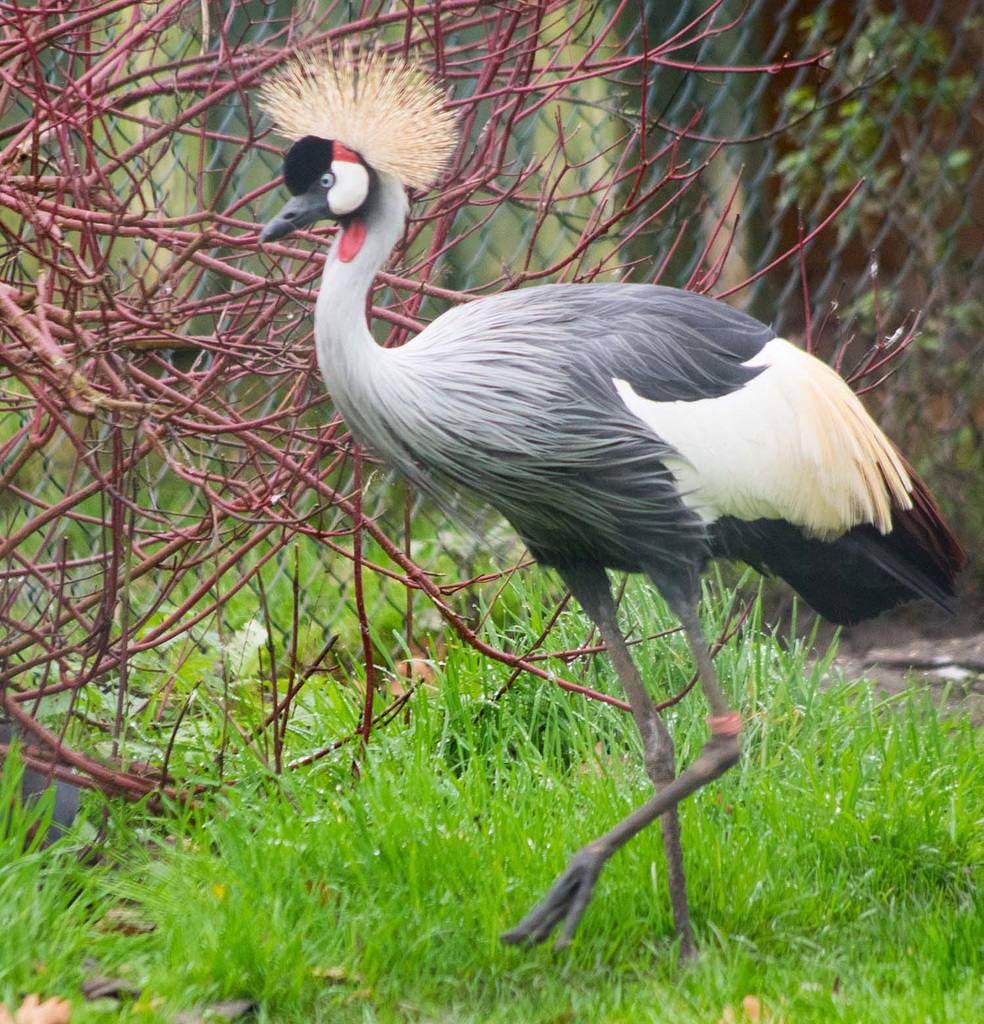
(297, 213)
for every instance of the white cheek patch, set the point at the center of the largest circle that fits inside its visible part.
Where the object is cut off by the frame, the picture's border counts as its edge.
(350, 189)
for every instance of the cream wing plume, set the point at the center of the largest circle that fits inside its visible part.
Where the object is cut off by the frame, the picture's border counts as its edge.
(392, 115)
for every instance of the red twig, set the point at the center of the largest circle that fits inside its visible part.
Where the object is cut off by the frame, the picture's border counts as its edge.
(166, 445)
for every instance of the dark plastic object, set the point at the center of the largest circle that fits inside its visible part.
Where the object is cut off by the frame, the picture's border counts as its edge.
(34, 783)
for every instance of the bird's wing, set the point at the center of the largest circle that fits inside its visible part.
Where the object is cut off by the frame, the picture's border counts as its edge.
(791, 441)
(760, 428)
(673, 345)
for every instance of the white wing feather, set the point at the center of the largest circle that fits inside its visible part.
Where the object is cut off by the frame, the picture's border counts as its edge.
(795, 443)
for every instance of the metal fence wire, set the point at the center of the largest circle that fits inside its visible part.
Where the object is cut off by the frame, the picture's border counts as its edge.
(178, 501)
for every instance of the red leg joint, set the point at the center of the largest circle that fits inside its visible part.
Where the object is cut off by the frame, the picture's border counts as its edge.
(725, 725)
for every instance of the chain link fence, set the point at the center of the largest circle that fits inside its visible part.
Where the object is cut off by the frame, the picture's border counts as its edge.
(179, 504)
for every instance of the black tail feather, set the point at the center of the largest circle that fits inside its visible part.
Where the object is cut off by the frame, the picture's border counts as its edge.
(857, 576)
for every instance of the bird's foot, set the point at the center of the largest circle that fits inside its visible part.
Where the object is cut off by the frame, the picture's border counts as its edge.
(688, 950)
(569, 895)
(565, 901)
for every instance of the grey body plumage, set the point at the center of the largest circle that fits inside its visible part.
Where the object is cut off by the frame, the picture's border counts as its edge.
(512, 397)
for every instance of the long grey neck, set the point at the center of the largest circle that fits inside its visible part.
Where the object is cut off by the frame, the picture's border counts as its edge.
(346, 349)
(362, 377)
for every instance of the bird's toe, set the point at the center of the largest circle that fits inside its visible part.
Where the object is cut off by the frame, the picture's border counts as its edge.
(566, 901)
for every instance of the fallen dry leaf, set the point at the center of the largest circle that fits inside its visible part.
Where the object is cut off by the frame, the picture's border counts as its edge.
(100, 987)
(326, 893)
(753, 1009)
(229, 1009)
(339, 974)
(419, 667)
(122, 919)
(51, 1011)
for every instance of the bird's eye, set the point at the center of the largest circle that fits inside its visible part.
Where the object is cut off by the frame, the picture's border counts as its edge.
(327, 180)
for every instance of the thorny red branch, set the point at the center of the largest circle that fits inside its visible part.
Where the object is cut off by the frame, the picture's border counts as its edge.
(165, 442)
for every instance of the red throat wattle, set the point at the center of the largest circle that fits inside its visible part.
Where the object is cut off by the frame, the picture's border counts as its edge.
(353, 235)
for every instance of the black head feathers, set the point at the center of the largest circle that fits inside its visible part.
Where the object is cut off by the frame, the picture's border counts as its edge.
(306, 161)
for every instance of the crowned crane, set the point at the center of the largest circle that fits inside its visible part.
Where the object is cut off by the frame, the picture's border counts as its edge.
(616, 426)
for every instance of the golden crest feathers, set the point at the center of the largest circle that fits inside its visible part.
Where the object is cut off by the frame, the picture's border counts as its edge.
(392, 115)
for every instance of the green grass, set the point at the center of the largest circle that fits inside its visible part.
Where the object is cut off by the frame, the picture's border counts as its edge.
(835, 873)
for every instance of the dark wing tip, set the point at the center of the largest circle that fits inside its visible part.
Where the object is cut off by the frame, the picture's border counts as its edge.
(926, 527)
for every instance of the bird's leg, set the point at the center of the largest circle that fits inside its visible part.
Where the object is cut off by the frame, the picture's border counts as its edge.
(589, 584)
(569, 895)
(724, 722)
(660, 760)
